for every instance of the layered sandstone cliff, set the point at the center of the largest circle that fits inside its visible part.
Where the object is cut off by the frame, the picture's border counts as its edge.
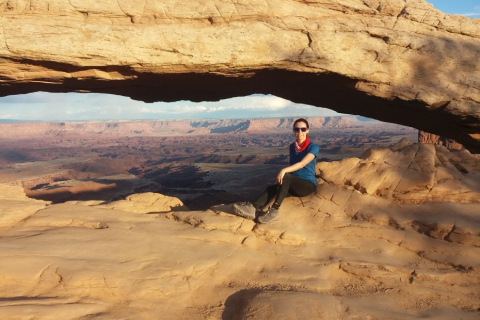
(170, 127)
(400, 61)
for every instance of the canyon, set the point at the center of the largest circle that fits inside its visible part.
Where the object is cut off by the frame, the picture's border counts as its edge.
(97, 222)
(133, 219)
(189, 159)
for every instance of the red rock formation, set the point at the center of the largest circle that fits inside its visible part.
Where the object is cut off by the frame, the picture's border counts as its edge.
(425, 137)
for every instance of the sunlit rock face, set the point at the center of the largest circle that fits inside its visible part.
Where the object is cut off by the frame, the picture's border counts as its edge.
(409, 173)
(406, 230)
(425, 137)
(397, 61)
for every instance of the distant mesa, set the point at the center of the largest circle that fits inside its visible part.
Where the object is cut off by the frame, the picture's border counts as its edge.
(136, 128)
(396, 61)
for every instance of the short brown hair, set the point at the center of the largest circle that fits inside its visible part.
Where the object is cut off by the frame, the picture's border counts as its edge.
(301, 120)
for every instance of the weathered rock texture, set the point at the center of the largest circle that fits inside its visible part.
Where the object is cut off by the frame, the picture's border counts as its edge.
(342, 253)
(412, 173)
(394, 60)
(426, 137)
(147, 202)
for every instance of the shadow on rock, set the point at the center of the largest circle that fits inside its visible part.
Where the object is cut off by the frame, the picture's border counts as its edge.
(237, 303)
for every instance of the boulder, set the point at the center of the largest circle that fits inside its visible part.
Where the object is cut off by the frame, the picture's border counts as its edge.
(148, 202)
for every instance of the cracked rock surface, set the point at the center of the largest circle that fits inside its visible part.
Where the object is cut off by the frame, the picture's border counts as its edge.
(345, 252)
(408, 172)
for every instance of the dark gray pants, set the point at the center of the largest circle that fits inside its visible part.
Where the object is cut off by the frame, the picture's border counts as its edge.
(291, 186)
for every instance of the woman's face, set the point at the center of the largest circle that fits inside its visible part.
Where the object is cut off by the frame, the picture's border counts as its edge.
(300, 134)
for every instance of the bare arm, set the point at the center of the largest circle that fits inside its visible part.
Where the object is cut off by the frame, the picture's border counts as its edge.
(294, 167)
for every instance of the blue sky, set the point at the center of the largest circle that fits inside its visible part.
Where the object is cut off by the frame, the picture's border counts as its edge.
(469, 8)
(92, 106)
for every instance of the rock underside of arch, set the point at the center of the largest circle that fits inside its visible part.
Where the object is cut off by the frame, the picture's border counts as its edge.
(399, 61)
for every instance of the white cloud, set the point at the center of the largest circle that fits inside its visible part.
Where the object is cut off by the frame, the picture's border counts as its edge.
(254, 102)
(94, 106)
(8, 116)
(190, 109)
(148, 110)
(474, 13)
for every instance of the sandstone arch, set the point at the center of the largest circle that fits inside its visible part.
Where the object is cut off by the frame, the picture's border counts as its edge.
(394, 60)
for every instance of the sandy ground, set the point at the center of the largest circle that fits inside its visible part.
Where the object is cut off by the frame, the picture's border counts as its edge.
(337, 254)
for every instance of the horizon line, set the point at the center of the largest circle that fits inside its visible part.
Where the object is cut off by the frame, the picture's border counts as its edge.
(4, 121)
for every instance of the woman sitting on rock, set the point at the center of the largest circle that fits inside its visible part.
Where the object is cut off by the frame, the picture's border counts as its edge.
(298, 179)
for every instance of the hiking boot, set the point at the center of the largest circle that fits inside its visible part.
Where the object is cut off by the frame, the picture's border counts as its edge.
(245, 210)
(269, 216)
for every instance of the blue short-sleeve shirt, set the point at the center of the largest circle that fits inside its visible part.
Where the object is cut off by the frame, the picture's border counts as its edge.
(307, 172)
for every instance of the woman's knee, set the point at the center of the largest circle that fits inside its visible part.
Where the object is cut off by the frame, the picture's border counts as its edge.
(288, 176)
(272, 188)
(302, 188)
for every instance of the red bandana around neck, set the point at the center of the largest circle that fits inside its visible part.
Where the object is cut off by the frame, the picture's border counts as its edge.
(301, 147)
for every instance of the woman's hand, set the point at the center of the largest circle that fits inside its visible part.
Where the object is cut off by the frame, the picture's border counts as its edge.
(280, 177)
(294, 167)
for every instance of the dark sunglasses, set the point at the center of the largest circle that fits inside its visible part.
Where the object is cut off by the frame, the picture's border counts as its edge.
(296, 129)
